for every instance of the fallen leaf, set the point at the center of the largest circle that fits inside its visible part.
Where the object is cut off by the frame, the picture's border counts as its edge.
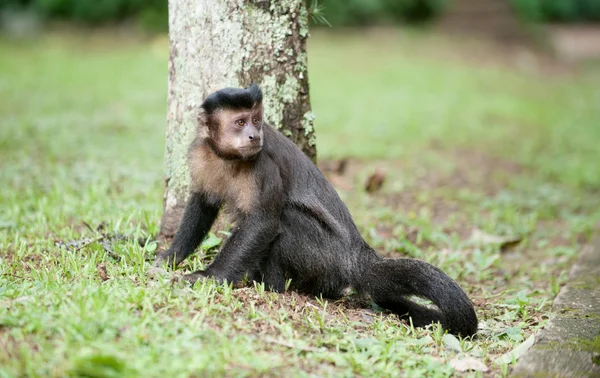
(375, 182)
(516, 353)
(341, 166)
(210, 242)
(335, 166)
(102, 272)
(366, 343)
(504, 242)
(151, 247)
(23, 299)
(426, 340)
(451, 342)
(468, 363)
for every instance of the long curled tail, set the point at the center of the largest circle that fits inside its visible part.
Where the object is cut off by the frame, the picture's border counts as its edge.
(390, 281)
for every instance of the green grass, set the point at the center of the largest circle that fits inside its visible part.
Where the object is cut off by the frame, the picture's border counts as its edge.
(465, 145)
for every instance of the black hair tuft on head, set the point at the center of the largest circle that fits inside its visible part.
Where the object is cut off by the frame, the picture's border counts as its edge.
(233, 98)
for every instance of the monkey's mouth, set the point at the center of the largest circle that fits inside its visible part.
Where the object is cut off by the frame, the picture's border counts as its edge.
(251, 149)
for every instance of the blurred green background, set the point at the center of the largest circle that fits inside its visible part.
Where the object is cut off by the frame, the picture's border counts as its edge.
(152, 14)
(399, 86)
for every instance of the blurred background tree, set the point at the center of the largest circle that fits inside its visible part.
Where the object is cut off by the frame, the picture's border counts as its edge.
(152, 14)
(149, 15)
(370, 12)
(557, 10)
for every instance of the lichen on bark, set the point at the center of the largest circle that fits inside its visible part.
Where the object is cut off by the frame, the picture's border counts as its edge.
(233, 43)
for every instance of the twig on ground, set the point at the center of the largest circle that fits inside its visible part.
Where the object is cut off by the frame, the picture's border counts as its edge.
(105, 240)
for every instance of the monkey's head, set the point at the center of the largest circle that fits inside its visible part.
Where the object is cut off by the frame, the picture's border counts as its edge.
(234, 120)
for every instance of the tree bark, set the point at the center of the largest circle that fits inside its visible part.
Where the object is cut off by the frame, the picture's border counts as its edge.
(233, 43)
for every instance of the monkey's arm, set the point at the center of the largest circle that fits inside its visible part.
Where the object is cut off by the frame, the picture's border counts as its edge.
(252, 236)
(200, 213)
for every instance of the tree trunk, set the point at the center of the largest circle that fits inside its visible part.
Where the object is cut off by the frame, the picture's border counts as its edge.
(233, 43)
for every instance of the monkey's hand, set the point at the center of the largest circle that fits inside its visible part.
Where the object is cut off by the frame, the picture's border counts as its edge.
(198, 275)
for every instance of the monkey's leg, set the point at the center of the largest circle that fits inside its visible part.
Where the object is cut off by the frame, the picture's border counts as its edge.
(273, 275)
(244, 250)
(255, 231)
(200, 213)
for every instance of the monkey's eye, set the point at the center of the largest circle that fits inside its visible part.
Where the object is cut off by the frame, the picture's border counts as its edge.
(240, 122)
(255, 120)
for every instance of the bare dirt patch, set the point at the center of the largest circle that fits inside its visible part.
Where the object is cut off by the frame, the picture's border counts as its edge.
(576, 42)
(535, 57)
(439, 192)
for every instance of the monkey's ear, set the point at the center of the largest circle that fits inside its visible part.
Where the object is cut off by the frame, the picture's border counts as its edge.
(202, 122)
(202, 118)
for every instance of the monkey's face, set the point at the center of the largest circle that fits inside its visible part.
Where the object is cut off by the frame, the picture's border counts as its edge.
(239, 134)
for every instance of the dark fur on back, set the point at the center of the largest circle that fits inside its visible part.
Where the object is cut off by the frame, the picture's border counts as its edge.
(233, 98)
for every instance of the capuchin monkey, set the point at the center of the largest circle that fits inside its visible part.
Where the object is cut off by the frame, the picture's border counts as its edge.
(291, 223)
